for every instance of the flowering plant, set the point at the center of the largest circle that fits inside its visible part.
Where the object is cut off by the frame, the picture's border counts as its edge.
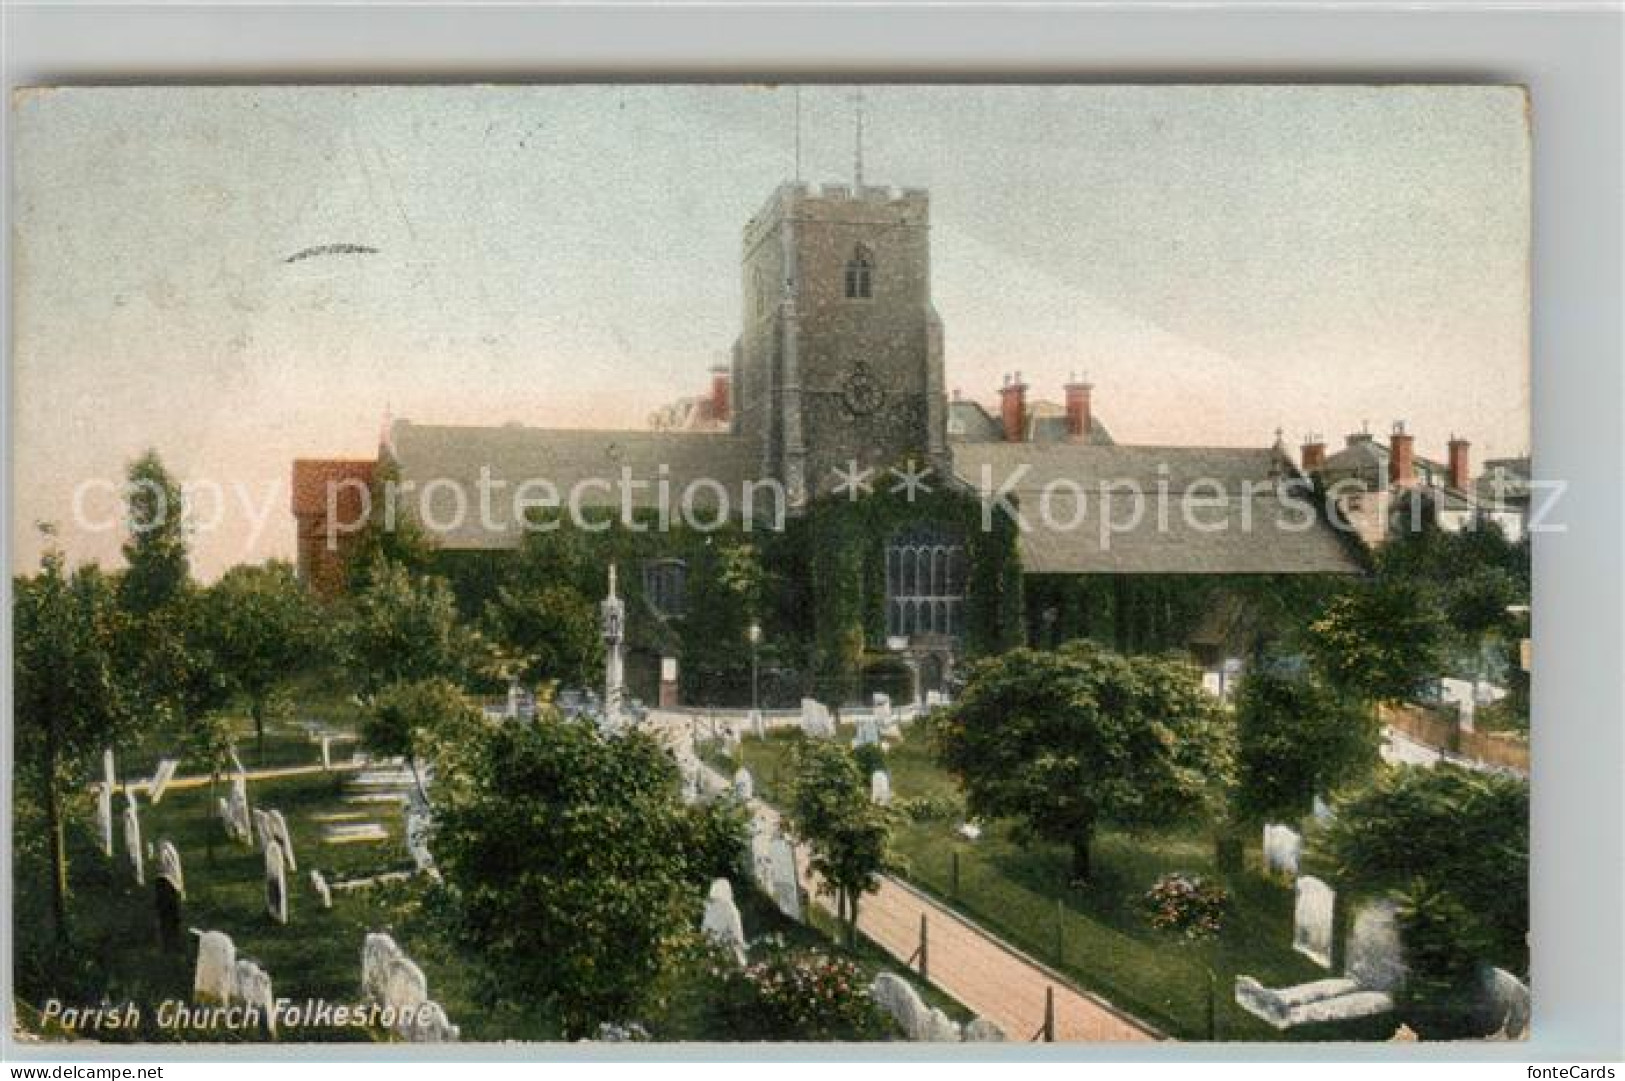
(800, 994)
(1187, 906)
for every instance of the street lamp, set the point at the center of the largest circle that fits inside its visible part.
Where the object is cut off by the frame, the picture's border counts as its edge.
(755, 635)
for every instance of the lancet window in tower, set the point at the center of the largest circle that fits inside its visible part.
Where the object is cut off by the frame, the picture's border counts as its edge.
(859, 274)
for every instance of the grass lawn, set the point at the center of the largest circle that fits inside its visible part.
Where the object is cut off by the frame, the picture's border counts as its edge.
(1098, 936)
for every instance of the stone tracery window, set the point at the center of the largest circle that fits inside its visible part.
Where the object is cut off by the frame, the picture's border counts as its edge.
(665, 585)
(925, 584)
(859, 274)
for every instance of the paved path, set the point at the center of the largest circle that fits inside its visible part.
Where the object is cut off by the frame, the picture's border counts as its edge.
(989, 977)
(198, 780)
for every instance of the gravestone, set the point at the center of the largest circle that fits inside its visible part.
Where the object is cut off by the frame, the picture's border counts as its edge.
(721, 922)
(1510, 1005)
(880, 787)
(214, 981)
(784, 884)
(278, 827)
(418, 827)
(744, 786)
(161, 779)
(104, 818)
(1312, 920)
(239, 823)
(132, 839)
(981, 1030)
(276, 883)
(1375, 954)
(319, 883)
(169, 866)
(168, 901)
(254, 991)
(327, 752)
(868, 733)
(816, 721)
(392, 980)
(897, 997)
(429, 1024)
(758, 723)
(1323, 810)
(1283, 846)
(262, 829)
(109, 774)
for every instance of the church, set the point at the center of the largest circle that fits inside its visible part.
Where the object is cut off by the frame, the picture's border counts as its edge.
(933, 527)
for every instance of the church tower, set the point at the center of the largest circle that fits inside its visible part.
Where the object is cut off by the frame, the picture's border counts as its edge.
(840, 355)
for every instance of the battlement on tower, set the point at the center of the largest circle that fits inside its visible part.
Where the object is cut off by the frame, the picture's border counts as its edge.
(870, 204)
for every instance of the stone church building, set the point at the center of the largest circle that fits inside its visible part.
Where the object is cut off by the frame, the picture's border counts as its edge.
(836, 385)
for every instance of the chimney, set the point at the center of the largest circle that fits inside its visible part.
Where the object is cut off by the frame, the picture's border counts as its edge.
(1080, 419)
(1313, 452)
(1459, 479)
(1401, 464)
(1013, 408)
(721, 384)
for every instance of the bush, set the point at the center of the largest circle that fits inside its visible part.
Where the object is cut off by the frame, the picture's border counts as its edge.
(798, 994)
(870, 757)
(1187, 906)
(943, 808)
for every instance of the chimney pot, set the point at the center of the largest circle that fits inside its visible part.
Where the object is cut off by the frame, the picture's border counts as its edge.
(1013, 409)
(1460, 473)
(1313, 453)
(1401, 460)
(1080, 419)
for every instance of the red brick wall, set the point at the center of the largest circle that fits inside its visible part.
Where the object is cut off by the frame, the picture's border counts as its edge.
(328, 492)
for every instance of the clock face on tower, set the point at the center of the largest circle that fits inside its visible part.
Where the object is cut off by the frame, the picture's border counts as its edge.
(860, 393)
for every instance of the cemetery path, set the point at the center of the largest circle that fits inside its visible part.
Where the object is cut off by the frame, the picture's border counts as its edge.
(201, 779)
(988, 976)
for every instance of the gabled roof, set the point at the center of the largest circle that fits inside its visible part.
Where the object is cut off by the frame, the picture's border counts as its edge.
(1202, 510)
(1046, 423)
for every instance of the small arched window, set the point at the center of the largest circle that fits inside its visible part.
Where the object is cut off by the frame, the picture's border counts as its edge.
(859, 274)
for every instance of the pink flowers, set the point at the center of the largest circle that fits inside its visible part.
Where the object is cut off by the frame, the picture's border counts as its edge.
(1187, 905)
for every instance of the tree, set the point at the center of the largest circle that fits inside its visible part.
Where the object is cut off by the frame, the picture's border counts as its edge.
(572, 864)
(1447, 830)
(1379, 641)
(410, 718)
(830, 809)
(403, 628)
(553, 627)
(263, 627)
(390, 536)
(158, 567)
(1069, 740)
(1296, 739)
(69, 695)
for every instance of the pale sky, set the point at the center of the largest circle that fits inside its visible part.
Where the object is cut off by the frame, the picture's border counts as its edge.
(1220, 261)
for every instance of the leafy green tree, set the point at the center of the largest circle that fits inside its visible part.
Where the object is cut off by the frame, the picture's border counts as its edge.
(1295, 739)
(1379, 641)
(403, 628)
(553, 627)
(158, 568)
(263, 627)
(571, 865)
(391, 535)
(1447, 830)
(69, 694)
(831, 810)
(1069, 740)
(411, 718)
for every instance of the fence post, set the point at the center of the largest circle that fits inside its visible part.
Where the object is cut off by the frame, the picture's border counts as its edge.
(1049, 1014)
(925, 948)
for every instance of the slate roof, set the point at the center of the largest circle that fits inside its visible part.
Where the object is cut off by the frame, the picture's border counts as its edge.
(454, 455)
(1223, 513)
(1046, 423)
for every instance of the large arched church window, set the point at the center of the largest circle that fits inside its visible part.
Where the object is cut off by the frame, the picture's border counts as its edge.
(925, 583)
(665, 585)
(859, 274)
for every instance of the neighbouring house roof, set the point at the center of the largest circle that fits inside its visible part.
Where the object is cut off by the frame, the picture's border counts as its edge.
(344, 481)
(1223, 512)
(452, 457)
(1046, 423)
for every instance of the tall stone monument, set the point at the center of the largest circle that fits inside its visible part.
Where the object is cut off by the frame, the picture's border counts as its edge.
(613, 613)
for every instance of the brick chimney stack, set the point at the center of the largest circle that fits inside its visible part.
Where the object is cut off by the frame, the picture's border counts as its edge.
(1459, 478)
(721, 398)
(1313, 452)
(1013, 408)
(1080, 420)
(1401, 459)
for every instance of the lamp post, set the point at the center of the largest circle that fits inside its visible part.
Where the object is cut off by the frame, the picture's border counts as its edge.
(755, 634)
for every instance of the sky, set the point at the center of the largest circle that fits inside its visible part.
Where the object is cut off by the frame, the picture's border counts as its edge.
(1220, 261)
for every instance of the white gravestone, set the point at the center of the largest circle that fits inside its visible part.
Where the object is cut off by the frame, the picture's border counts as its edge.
(868, 733)
(132, 839)
(262, 829)
(238, 821)
(744, 785)
(1509, 999)
(1323, 810)
(109, 774)
(721, 922)
(392, 980)
(418, 827)
(327, 752)
(784, 883)
(1283, 846)
(254, 990)
(279, 833)
(758, 723)
(104, 818)
(215, 979)
(319, 884)
(161, 779)
(1376, 956)
(276, 883)
(169, 866)
(1312, 920)
(981, 1030)
(816, 721)
(880, 787)
(897, 997)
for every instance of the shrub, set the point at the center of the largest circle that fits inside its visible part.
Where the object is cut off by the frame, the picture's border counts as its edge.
(1187, 906)
(943, 808)
(798, 994)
